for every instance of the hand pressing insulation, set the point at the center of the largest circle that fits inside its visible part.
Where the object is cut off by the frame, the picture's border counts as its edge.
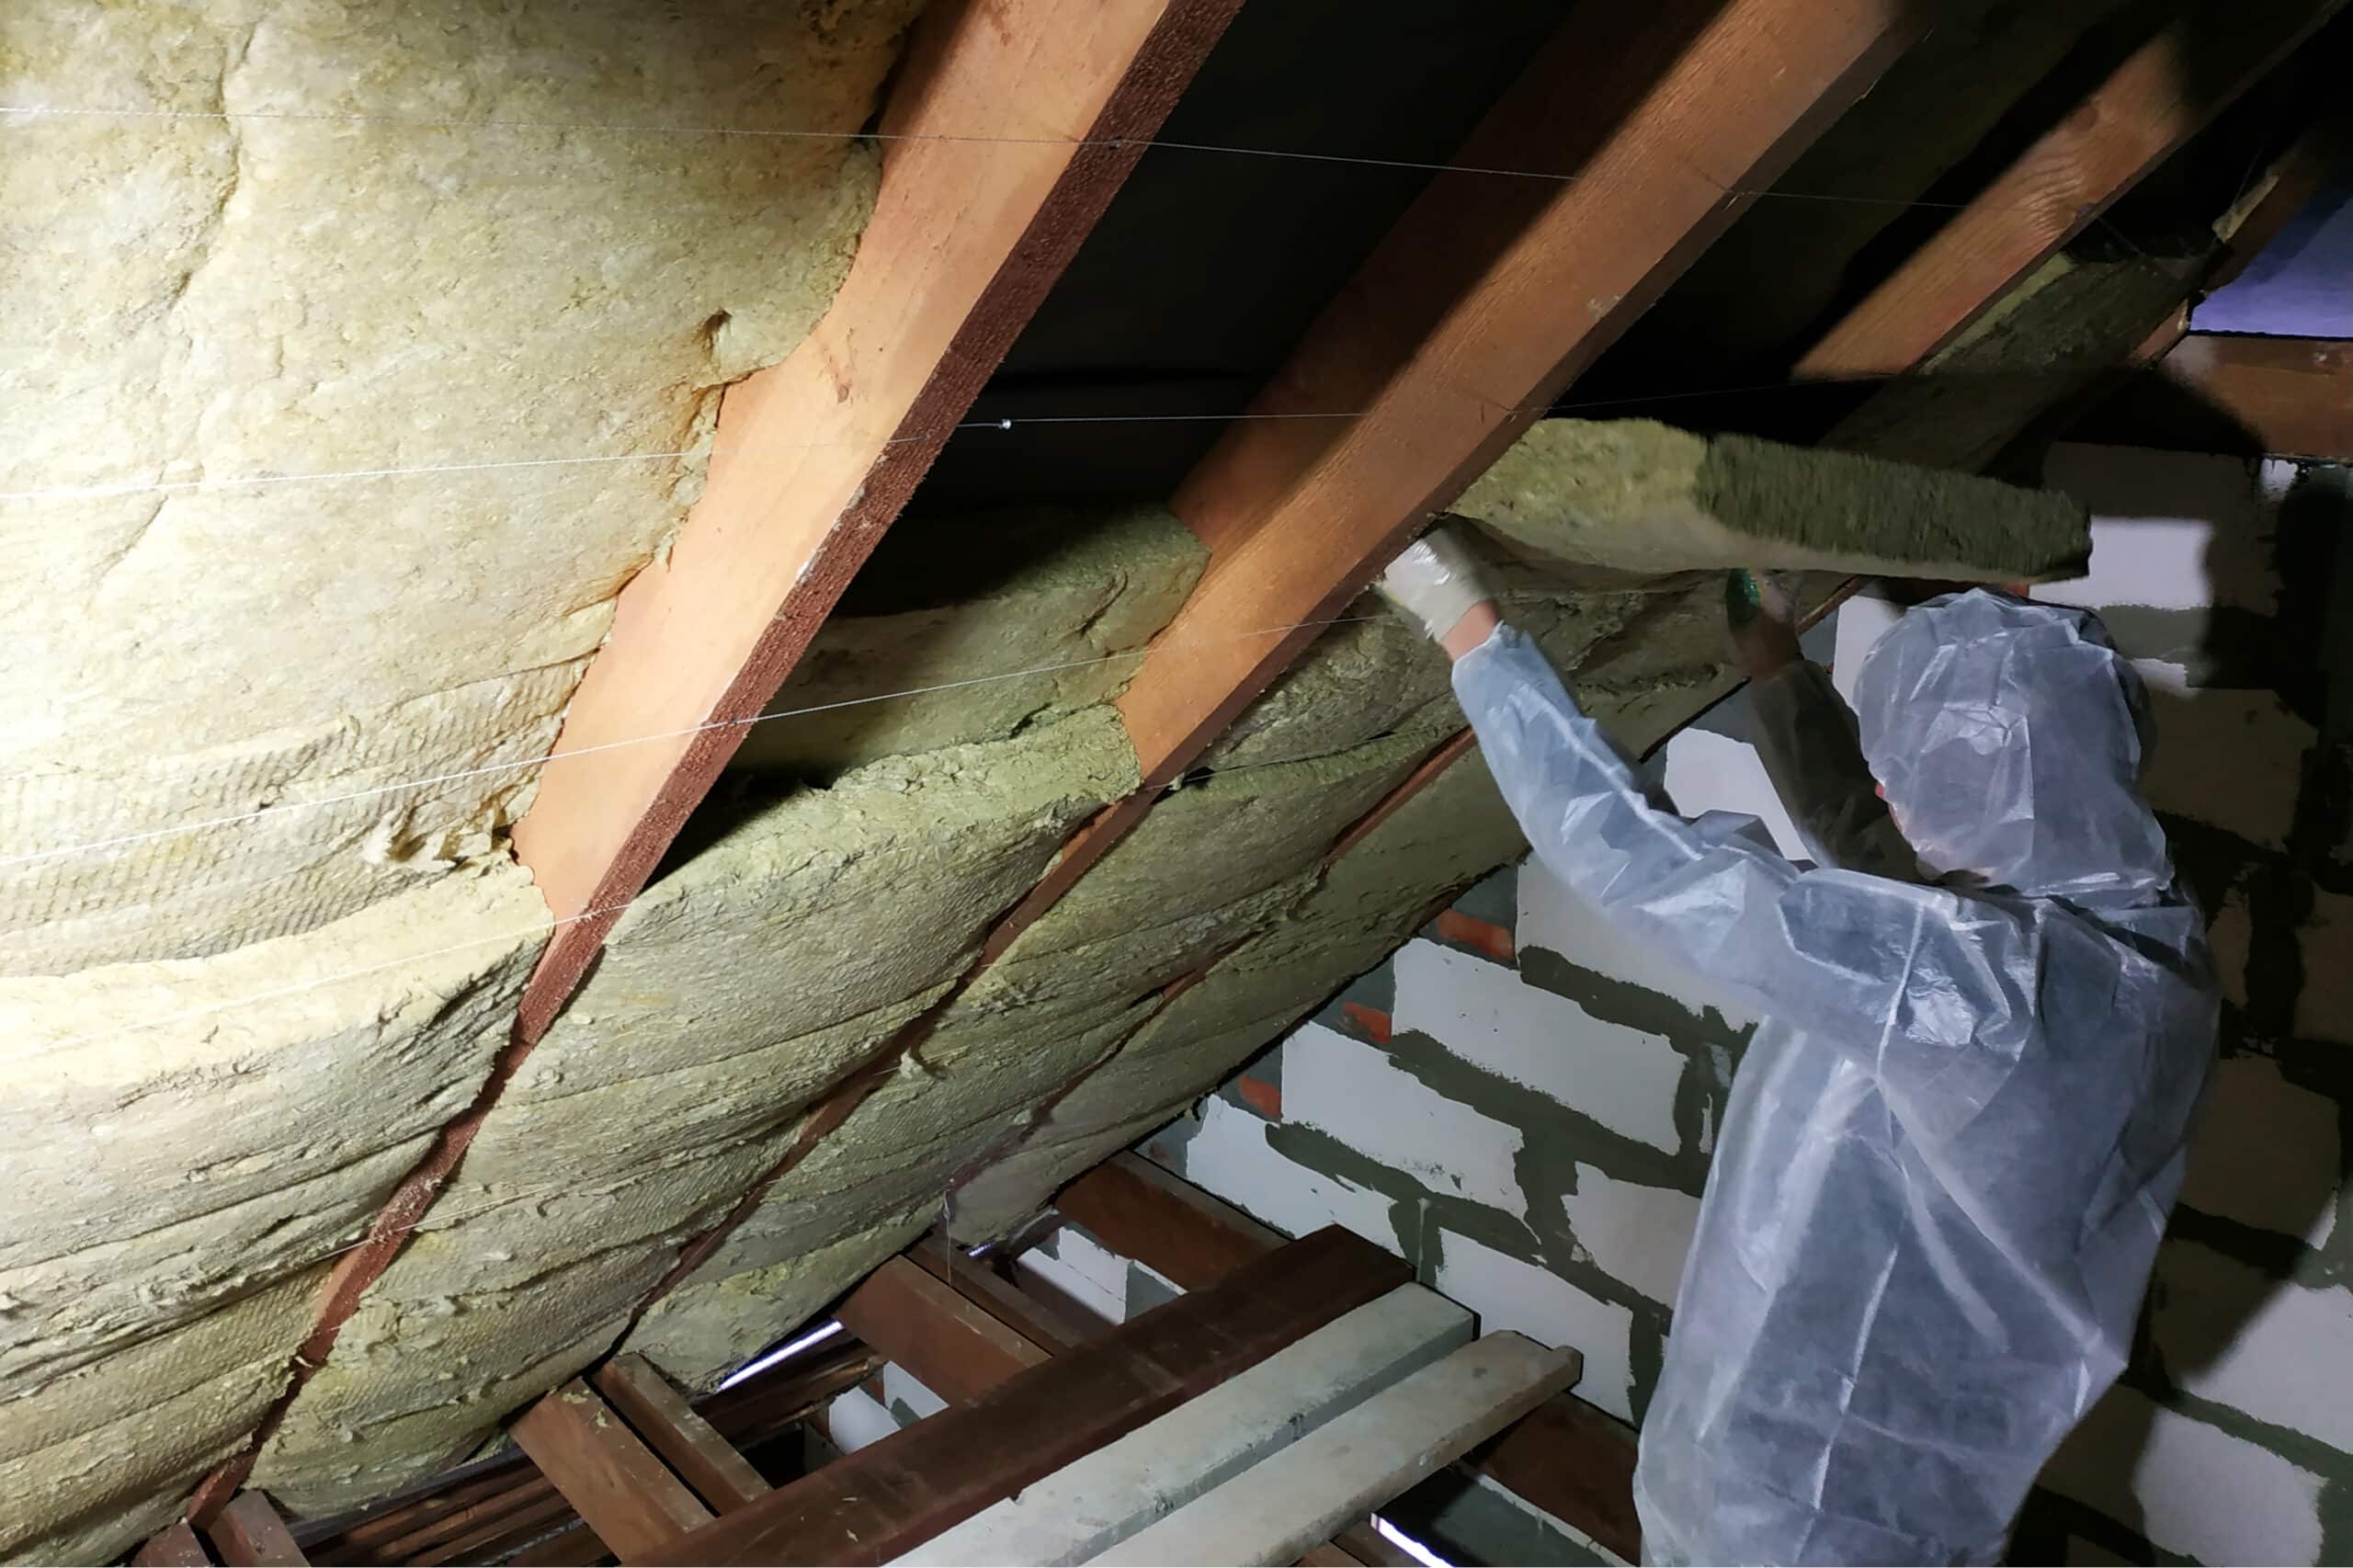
(1437, 584)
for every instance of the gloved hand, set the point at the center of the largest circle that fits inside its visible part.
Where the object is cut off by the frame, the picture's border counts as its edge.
(1436, 582)
(1764, 632)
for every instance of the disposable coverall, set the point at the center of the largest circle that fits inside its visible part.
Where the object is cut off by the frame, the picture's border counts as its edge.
(1952, 1145)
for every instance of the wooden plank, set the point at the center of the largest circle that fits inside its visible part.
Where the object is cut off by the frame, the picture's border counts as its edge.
(172, 1547)
(613, 1481)
(515, 1527)
(1286, 1503)
(2289, 397)
(1092, 1505)
(576, 1547)
(2163, 93)
(1017, 119)
(1453, 336)
(1042, 1323)
(1369, 1546)
(949, 1343)
(895, 1493)
(1576, 1463)
(249, 1534)
(688, 1444)
(1328, 1555)
(1140, 1210)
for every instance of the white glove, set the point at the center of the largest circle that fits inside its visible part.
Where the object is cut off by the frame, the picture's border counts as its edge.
(1436, 582)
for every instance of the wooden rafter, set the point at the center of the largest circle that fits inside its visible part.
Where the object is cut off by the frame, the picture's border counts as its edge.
(1012, 123)
(947, 1344)
(2162, 93)
(2289, 397)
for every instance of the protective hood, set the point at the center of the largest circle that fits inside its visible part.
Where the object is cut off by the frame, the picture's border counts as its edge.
(2010, 739)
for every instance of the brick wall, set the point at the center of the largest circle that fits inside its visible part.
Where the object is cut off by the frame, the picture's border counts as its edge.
(1523, 1104)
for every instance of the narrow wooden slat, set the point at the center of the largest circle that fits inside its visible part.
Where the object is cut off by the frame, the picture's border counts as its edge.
(489, 1537)
(1291, 1500)
(947, 1343)
(690, 1445)
(1140, 1212)
(576, 1547)
(1015, 121)
(1576, 1463)
(2290, 397)
(172, 1547)
(2161, 94)
(532, 1499)
(249, 1534)
(1369, 1546)
(613, 1481)
(891, 1495)
(1328, 1555)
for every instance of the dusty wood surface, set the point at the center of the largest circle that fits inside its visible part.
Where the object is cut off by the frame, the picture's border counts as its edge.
(174, 1546)
(249, 1534)
(1575, 1463)
(1101, 1499)
(947, 1343)
(612, 1479)
(1043, 1324)
(908, 1487)
(691, 1446)
(1291, 1500)
(2161, 94)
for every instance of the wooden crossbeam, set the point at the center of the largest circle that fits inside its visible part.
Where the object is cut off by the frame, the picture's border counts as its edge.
(1049, 1327)
(1140, 1212)
(249, 1534)
(949, 1343)
(612, 1478)
(174, 1546)
(892, 1495)
(691, 1446)
(2163, 93)
(1480, 306)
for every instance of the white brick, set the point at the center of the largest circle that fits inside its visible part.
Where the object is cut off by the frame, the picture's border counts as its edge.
(856, 1419)
(2265, 1153)
(2280, 1352)
(1230, 1157)
(1509, 1294)
(1082, 1270)
(1638, 1236)
(2325, 1007)
(900, 1387)
(1354, 1092)
(2172, 530)
(1708, 772)
(2189, 1487)
(1484, 1013)
(1552, 917)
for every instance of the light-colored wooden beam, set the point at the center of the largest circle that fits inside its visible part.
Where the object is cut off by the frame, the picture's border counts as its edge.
(2160, 96)
(612, 1478)
(1017, 119)
(1285, 1504)
(947, 1344)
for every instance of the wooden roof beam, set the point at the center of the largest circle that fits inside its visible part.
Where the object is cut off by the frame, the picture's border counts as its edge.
(1477, 309)
(2163, 93)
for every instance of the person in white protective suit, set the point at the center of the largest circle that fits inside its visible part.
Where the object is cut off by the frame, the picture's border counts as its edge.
(1952, 1145)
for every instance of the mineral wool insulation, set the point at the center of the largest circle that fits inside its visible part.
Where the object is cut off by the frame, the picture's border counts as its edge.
(227, 1044)
(478, 245)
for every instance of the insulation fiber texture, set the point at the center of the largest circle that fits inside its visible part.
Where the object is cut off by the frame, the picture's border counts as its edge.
(475, 261)
(784, 953)
(182, 1136)
(1642, 498)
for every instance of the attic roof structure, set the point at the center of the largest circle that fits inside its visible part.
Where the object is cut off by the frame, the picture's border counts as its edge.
(658, 650)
